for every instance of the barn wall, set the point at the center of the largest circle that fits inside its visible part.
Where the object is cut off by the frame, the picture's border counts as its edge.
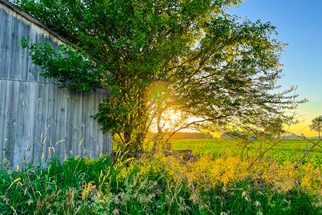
(37, 119)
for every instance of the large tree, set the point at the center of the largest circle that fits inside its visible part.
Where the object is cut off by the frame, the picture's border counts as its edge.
(317, 125)
(153, 56)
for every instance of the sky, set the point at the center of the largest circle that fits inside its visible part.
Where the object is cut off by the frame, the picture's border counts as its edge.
(299, 24)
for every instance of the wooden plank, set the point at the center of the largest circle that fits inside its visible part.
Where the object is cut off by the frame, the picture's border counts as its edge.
(32, 68)
(20, 123)
(3, 90)
(50, 120)
(5, 29)
(61, 127)
(85, 106)
(3, 42)
(30, 126)
(12, 112)
(14, 72)
(24, 52)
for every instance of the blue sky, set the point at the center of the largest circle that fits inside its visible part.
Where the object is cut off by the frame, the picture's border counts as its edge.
(299, 23)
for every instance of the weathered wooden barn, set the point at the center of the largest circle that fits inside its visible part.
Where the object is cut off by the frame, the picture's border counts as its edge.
(38, 120)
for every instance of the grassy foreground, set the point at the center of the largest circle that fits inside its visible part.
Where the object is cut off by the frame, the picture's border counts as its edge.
(159, 184)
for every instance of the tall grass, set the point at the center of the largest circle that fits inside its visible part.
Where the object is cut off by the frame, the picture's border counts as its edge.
(153, 184)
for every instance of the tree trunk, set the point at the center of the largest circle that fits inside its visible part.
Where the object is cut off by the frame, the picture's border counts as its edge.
(127, 137)
(157, 138)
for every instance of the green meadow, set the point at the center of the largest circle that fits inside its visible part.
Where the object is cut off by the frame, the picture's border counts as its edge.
(283, 151)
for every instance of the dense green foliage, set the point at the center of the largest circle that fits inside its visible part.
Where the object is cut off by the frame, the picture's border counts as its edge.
(214, 66)
(75, 72)
(147, 186)
(286, 151)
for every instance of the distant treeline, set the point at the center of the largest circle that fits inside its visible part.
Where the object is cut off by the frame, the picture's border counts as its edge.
(191, 135)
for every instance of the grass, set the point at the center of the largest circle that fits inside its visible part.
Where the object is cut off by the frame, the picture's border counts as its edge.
(216, 181)
(154, 184)
(286, 151)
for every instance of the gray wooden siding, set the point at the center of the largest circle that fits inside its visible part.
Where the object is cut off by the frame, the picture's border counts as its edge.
(37, 119)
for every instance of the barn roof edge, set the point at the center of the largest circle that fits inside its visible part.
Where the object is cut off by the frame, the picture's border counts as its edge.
(33, 20)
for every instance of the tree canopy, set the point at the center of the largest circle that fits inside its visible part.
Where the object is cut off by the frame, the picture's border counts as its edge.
(156, 55)
(317, 125)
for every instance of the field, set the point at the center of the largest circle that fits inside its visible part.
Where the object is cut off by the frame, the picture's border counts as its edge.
(286, 152)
